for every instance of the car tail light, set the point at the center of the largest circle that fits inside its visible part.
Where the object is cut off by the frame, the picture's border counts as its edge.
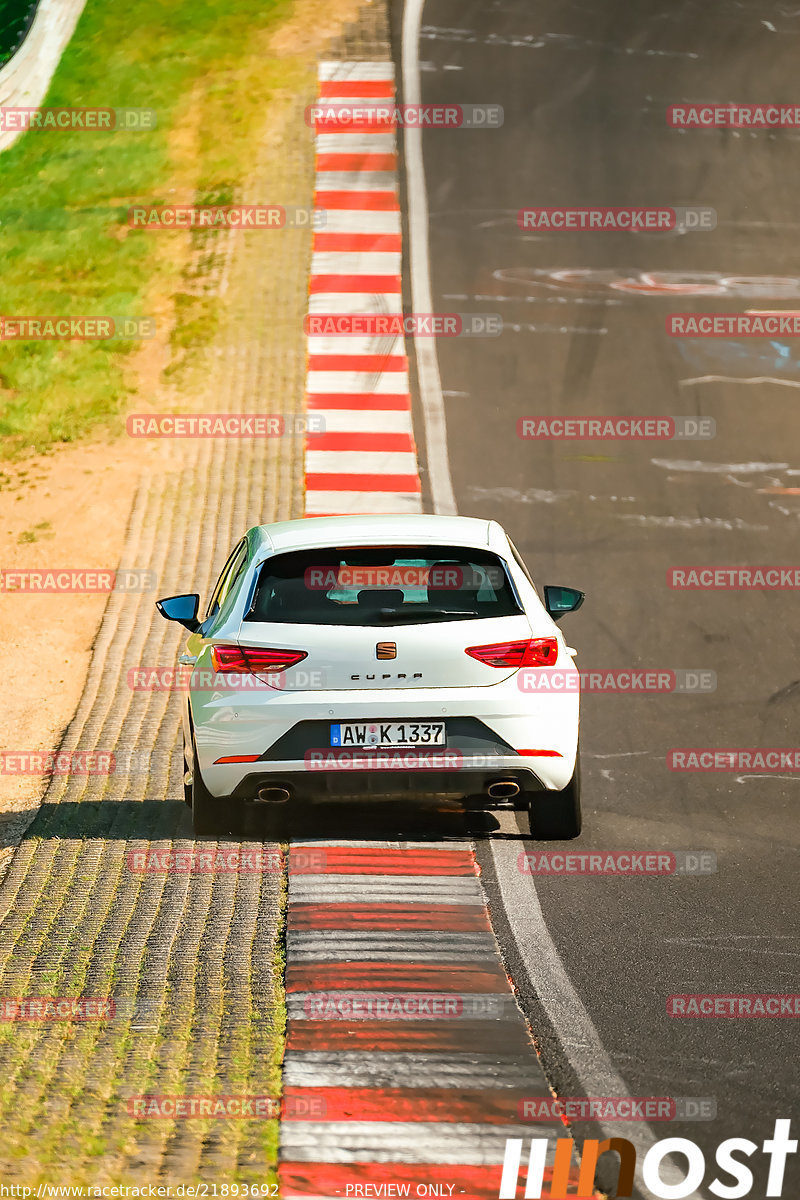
(249, 660)
(541, 753)
(533, 652)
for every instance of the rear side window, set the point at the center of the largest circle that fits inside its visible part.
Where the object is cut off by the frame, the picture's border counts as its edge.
(382, 586)
(521, 564)
(230, 574)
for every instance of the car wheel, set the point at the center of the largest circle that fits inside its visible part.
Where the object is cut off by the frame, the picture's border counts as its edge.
(215, 816)
(187, 777)
(556, 816)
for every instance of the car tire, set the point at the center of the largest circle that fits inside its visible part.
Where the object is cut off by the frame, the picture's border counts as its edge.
(556, 816)
(212, 816)
(187, 778)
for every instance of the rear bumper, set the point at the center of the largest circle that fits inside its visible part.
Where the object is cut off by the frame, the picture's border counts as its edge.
(319, 786)
(268, 727)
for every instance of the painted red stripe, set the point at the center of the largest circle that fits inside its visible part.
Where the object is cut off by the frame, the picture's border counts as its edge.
(358, 362)
(489, 1106)
(373, 201)
(452, 978)
(360, 401)
(361, 441)
(355, 860)
(349, 242)
(334, 1179)
(374, 284)
(356, 87)
(453, 1036)
(356, 162)
(454, 918)
(334, 482)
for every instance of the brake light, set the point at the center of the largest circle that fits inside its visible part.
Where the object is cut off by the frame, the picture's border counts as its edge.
(249, 660)
(533, 652)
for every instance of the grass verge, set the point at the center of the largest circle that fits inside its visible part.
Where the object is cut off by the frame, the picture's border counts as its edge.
(209, 71)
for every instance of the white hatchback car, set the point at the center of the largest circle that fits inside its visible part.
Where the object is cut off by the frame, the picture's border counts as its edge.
(379, 656)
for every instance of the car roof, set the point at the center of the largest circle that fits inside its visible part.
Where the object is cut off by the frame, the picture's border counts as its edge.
(391, 529)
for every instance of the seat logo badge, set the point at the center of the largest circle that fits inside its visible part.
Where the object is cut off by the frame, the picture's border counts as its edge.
(386, 650)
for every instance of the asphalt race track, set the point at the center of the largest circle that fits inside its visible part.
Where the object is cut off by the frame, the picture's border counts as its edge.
(584, 88)
(371, 901)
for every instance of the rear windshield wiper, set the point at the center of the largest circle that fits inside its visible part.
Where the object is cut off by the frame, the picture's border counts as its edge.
(407, 614)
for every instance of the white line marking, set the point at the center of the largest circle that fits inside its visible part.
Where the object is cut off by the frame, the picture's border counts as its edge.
(355, 181)
(363, 502)
(579, 1040)
(714, 468)
(390, 347)
(732, 379)
(356, 262)
(360, 462)
(406, 1142)
(430, 383)
(645, 521)
(359, 220)
(359, 69)
(360, 141)
(368, 420)
(355, 302)
(390, 383)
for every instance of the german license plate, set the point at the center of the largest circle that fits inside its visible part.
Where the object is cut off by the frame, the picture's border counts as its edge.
(389, 733)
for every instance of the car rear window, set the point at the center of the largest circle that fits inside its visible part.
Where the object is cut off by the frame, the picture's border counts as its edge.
(382, 586)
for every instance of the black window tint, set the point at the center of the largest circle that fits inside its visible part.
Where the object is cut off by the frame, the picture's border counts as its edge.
(521, 564)
(230, 572)
(382, 586)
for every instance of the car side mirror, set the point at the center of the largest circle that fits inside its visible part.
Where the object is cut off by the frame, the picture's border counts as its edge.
(182, 609)
(561, 600)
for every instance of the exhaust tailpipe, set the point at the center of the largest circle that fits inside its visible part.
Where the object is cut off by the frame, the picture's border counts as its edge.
(503, 789)
(272, 795)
